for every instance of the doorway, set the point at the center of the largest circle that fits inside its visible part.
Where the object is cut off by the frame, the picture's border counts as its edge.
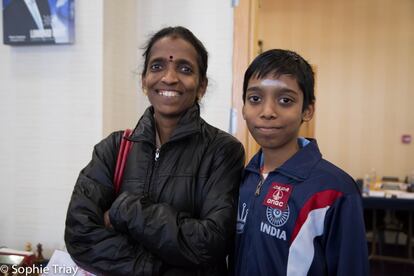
(250, 39)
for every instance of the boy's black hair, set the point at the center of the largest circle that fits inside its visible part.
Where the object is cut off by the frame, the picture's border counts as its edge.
(283, 62)
(187, 35)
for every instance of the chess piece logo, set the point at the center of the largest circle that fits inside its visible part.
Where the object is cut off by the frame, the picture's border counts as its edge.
(241, 219)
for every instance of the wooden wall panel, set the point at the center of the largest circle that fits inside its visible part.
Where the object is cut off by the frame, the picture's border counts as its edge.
(364, 51)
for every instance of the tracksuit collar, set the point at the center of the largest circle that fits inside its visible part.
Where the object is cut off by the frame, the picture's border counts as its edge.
(298, 167)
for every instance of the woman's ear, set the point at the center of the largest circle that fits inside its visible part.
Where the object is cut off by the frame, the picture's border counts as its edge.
(307, 114)
(143, 84)
(202, 89)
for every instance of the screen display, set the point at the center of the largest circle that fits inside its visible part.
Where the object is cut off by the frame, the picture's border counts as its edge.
(34, 22)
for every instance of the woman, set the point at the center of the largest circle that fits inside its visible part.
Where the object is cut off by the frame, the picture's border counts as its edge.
(175, 214)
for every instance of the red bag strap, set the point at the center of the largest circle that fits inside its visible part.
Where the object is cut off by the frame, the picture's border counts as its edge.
(121, 159)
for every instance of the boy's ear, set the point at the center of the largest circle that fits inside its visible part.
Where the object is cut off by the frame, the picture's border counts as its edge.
(244, 117)
(307, 114)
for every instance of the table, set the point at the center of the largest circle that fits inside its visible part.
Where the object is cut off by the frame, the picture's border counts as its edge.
(382, 203)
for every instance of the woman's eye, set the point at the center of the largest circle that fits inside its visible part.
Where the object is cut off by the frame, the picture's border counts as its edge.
(155, 67)
(254, 99)
(186, 69)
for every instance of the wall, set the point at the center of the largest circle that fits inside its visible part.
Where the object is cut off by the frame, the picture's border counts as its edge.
(56, 102)
(363, 54)
(212, 23)
(127, 29)
(121, 82)
(50, 117)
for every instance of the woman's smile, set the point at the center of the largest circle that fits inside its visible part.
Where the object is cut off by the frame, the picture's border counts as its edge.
(168, 93)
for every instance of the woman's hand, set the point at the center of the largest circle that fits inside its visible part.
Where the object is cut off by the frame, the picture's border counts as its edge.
(107, 220)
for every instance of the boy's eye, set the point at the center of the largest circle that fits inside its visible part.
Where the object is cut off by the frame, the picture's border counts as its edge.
(254, 99)
(285, 101)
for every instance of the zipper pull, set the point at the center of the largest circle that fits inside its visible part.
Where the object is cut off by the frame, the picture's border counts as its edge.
(259, 186)
(157, 154)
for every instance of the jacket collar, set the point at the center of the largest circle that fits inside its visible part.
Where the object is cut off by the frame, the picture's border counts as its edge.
(298, 167)
(189, 123)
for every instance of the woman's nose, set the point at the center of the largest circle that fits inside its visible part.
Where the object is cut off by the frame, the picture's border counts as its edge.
(170, 76)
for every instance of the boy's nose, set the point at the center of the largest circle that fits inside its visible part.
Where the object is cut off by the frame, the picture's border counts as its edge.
(170, 76)
(268, 111)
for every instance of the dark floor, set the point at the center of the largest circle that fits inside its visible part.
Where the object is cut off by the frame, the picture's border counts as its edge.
(391, 268)
(385, 268)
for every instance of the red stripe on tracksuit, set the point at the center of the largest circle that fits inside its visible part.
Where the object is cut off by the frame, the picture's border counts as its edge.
(317, 201)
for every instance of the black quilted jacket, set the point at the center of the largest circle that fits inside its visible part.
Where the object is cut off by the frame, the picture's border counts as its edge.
(174, 215)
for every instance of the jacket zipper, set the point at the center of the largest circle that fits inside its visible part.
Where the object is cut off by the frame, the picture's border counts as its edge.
(157, 154)
(153, 172)
(259, 186)
(256, 193)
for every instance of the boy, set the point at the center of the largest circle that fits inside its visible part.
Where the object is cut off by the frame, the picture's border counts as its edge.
(298, 213)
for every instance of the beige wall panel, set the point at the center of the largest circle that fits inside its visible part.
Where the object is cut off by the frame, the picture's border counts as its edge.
(120, 57)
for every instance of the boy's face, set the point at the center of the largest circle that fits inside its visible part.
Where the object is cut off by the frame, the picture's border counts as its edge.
(273, 111)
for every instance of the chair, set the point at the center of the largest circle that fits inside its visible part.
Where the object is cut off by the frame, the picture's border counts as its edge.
(394, 222)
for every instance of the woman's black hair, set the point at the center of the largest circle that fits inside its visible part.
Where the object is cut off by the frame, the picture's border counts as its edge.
(187, 35)
(283, 62)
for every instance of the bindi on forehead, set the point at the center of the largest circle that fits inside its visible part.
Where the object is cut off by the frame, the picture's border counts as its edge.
(171, 59)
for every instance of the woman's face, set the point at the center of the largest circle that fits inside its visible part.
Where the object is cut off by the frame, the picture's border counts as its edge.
(172, 80)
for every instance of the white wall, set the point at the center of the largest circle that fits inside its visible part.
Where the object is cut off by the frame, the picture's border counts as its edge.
(50, 117)
(56, 102)
(212, 22)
